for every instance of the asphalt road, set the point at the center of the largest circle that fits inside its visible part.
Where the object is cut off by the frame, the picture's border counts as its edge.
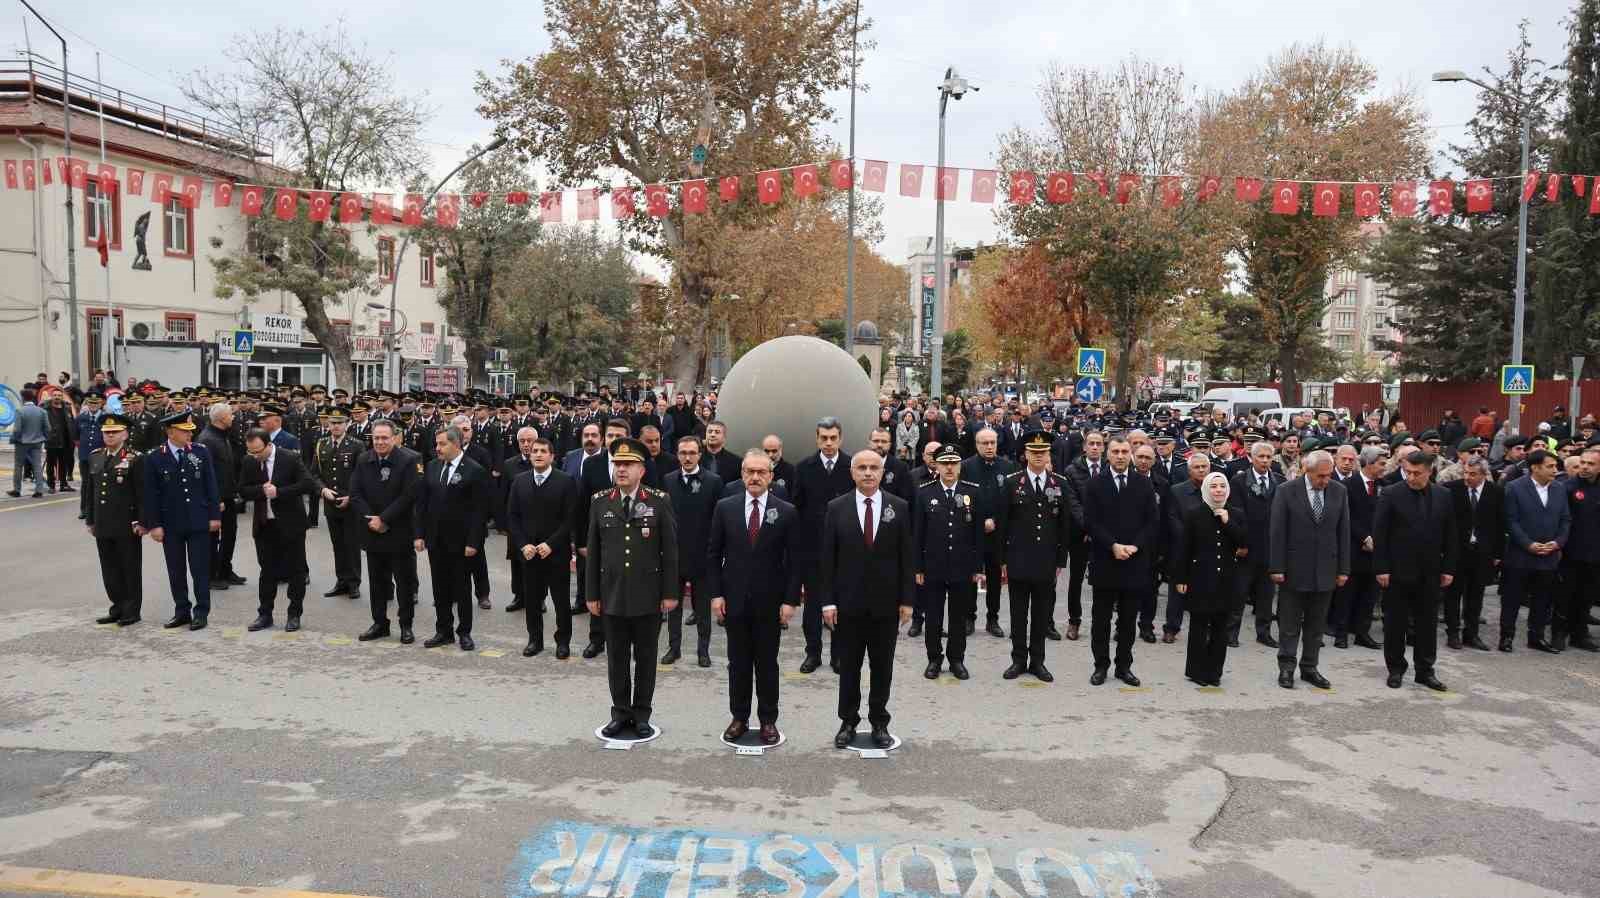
(314, 762)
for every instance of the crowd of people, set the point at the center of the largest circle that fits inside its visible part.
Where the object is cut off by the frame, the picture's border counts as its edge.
(1317, 526)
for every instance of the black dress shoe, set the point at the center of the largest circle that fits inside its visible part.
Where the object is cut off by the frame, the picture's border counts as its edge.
(236, 580)
(1452, 642)
(916, 629)
(406, 636)
(1588, 645)
(958, 669)
(881, 737)
(1098, 678)
(531, 649)
(1477, 643)
(1395, 680)
(671, 656)
(833, 664)
(376, 631)
(467, 645)
(107, 619)
(1126, 676)
(292, 624)
(932, 671)
(483, 602)
(1050, 632)
(338, 589)
(1042, 673)
(615, 728)
(580, 608)
(1286, 677)
(262, 622)
(995, 631)
(563, 652)
(437, 639)
(593, 649)
(1341, 642)
(703, 660)
(769, 734)
(1432, 682)
(1367, 642)
(1267, 641)
(644, 729)
(219, 584)
(198, 623)
(735, 729)
(971, 627)
(354, 593)
(1147, 635)
(1543, 646)
(1232, 643)
(1505, 644)
(128, 621)
(1316, 679)
(1559, 640)
(811, 663)
(841, 739)
(1014, 671)
(514, 606)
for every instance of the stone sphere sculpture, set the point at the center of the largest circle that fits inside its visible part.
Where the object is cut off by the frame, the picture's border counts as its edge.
(785, 385)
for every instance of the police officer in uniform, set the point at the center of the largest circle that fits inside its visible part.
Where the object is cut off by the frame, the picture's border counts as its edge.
(632, 569)
(419, 438)
(335, 461)
(114, 480)
(181, 511)
(144, 426)
(988, 469)
(1036, 529)
(947, 527)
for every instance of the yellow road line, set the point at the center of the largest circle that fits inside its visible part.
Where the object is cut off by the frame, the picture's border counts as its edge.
(68, 882)
(38, 504)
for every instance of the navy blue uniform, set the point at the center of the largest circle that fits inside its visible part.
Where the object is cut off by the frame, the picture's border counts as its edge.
(947, 527)
(180, 497)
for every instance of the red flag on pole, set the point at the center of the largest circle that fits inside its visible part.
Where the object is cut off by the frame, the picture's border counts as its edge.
(477, 198)
(910, 180)
(285, 203)
(1247, 190)
(622, 203)
(103, 247)
(728, 189)
(1580, 183)
(79, 171)
(693, 197)
(589, 204)
(1099, 179)
(1594, 201)
(1325, 202)
(382, 208)
(805, 180)
(28, 182)
(11, 174)
(321, 205)
(1552, 187)
(1403, 198)
(1058, 187)
(875, 175)
(411, 213)
(769, 186)
(222, 194)
(1367, 204)
(1024, 187)
(983, 185)
(1127, 184)
(945, 183)
(135, 182)
(1530, 183)
(1480, 195)
(44, 171)
(250, 198)
(656, 202)
(1171, 191)
(191, 192)
(1442, 196)
(349, 208)
(106, 174)
(842, 172)
(1286, 197)
(161, 189)
(517, 198)
(550, 207)
(1210, 186)
(447, 210)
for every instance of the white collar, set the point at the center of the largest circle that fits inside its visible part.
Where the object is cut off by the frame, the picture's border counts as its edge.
(860, 497)
(691, 473)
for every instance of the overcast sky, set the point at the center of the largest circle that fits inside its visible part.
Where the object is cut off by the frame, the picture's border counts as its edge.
(1001, 47)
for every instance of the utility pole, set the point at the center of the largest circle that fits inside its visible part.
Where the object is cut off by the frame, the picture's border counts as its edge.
(953, 86)
(850, 219)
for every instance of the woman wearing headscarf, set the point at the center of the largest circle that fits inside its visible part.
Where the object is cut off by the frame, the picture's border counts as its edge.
(1203, 573)
(905, 436)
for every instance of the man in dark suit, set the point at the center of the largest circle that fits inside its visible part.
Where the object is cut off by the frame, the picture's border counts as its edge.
(754, 590)
(451, 507)
(1351, 610)
(539, 513)
(1479, 507)
(383, 492)
(1250, 497)
(1077, 474)
(589, 445)
(1413, 558)
(1580, 560)
(277, 482)
(1538, 524)
(214, 436)
(989, 469)
(819, 479)
(694, 492)
(1308, 556)
(595, 479)
(1036, 526)
(181, 512)
(1125, 523)
(270, 422)
(481, 452)
(510, 469)
(947, 526)
(718, 458)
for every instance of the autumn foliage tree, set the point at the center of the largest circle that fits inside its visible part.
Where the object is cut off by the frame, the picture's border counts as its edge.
(1034, 308)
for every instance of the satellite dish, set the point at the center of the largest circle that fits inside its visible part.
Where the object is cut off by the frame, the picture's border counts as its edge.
(141, 330)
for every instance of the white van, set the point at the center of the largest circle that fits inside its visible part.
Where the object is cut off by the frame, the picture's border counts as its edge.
(1236, 401)
(1279, 417)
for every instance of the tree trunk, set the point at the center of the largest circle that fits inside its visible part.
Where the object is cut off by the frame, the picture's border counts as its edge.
(1287, 387)
(1125, 345)
(335, 343)
(477, 363)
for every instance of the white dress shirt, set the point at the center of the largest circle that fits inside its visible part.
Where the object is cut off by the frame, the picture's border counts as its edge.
(861, 516)
(272, 456)
(760, 503)
(1543, 490)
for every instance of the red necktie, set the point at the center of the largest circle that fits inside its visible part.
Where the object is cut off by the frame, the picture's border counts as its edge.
(866, 527)
(1372, 489)
(755, 522)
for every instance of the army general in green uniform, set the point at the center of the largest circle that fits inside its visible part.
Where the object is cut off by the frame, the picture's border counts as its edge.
(632, 578)
(113, 481)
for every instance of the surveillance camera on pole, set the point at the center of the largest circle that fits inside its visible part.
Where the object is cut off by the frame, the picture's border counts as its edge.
(956, 86)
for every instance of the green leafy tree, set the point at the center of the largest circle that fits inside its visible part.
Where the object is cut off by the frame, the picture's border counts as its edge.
(957, 360)
(569, 299)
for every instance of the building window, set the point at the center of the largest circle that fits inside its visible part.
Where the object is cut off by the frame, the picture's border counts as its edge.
(177, 232)
(1347, 298)
(427, 269)
(1343, 342)
(180, 326)
(102, 210)
(386, 259)
(426, 327)
(1344, 320)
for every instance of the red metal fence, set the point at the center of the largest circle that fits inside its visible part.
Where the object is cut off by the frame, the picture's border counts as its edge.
(1423, 402)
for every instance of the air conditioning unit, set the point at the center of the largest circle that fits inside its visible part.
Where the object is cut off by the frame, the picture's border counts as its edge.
(147, 330)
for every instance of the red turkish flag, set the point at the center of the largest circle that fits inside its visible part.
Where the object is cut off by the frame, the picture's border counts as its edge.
(1325, 202)
(447, 210)
(11, 174)
(1552, 187)
(1530, 183)
(910, 180)
(1594, 201)
(728, 188)
(693, 196)
(321, 202)
(1286, 197)
(79, 172)
(1580, 183)
(875, 175)
(1024, 187)
(222, 194)
(161, 189)
(477, 198)
(191, 192)
(349, 208)
(805, 180)
(1403, 198)
(1367, 204)
(656, 201)
(517, 198)
(842, 172)
(1480, 195)
(1171, 191)
(250, 198)
(61, 167)
(1247, 190)
(135, 182)
(411, 212)
(285, 203)
(622, 203)
(382, 208)
(1127, 185)
(945, 184)
(550, 207)
(28, 180)
(1210, 186)
(1058, 187)
(983, 185)
(1442, 197)
(106, 174)
(1099, 179)
(769, 186)
(44, 171)
(589, 204)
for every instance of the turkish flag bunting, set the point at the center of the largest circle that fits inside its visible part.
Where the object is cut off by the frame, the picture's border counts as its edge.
(1552, 187)
(1442, 197)
(285, 203)
(250, 198)
(728, 188)
(983, 185)
(550, 207)
(28, 181)
(1325, 202)
(1058, 187)
(805, 180)
(1127, 185)
(1594, 201)
(517, 197)
(944, 187)
(382, 208)
(910, 180)
(349, 208)
(321, 204)
(1367, 204)
(447, 210)
(1480, 195)
(161, 189)
(1171, 191)
(478, 198)
(656, 200)
(1099, 179)
(1286, 197)
(222, 194)
(1530, 183)
(1024, 187)
(1580, 183)
(1403, 199)
(843, 173)
(135, 182)
(589, 204)
(1247, 190)
(1210, 186)
(411, 213)
(79, 170)
(191, 192)
(44, 171)
(622, 203)
(61, 167)
(874, 175)
(769, 186)
(11, 174)
(106, 174)
(693, 196)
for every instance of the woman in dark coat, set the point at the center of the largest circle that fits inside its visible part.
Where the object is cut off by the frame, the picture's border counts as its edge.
(1203, 572)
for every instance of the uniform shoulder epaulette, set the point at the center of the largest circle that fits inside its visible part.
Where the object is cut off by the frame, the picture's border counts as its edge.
(1018, 473)
(971, 484)
(601, 494)
(924, 486)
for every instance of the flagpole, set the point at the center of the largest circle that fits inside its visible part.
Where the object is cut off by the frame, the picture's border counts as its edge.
(850, 226)
(107, 220)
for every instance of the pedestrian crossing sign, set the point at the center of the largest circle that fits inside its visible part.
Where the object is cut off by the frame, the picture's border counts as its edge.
(1091, 363)
(1516, 380)
(244, 342)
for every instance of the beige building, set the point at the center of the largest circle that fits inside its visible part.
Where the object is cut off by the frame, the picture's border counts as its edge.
(1360, 313)
(155, 295)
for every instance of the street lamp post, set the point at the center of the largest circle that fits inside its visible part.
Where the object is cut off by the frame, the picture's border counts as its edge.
(1519, 309)
(392, 358)
(955, 86)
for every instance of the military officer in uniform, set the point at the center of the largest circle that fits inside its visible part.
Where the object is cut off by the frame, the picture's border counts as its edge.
(335, 461)
(632, 569)
(360, 427)
(947, 526)
(313, 428)
(181, 511)
(144, 426)
(419, 438)
(1035, 524)
(114, 481)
